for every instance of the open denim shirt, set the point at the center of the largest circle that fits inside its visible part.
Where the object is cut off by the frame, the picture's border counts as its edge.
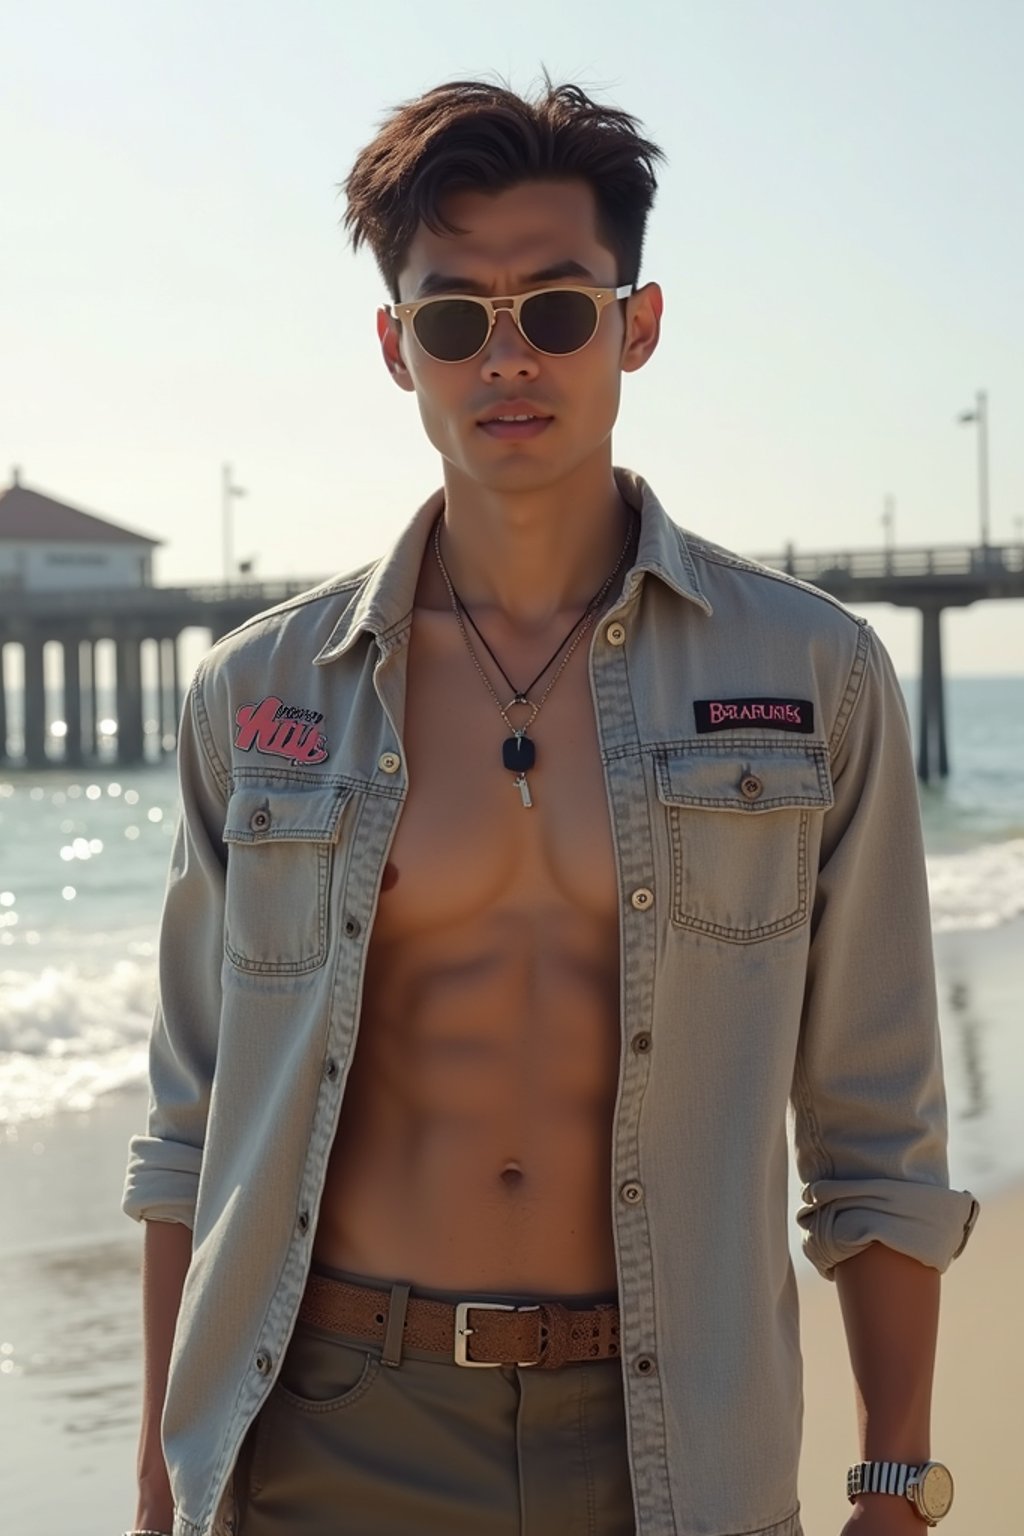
(776, 957)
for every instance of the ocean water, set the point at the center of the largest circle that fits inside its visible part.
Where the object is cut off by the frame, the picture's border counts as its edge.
(83, 860)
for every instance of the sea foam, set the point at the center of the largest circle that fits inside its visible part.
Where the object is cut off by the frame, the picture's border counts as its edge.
(982, 887)
(67, 1038)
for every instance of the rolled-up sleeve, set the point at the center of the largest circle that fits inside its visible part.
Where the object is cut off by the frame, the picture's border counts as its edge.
(868, 1093)
(162, 1178)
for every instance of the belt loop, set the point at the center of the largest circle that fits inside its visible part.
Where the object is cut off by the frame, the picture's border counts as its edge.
(397, 1304)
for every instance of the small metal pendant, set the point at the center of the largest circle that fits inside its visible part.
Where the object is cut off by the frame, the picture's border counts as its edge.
(524, 789)
(518, 752)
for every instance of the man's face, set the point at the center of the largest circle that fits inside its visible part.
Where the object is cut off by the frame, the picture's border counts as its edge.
(511, 237)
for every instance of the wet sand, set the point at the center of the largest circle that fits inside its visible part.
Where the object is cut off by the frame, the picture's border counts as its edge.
(70, 1324)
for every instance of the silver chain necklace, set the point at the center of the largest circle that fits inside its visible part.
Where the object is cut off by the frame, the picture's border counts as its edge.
(519, 752)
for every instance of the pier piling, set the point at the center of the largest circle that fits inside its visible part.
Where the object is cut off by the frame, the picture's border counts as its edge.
(35, 701)
(932, 755)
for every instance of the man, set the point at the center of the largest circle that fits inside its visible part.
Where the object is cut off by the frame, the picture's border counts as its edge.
(523, 878)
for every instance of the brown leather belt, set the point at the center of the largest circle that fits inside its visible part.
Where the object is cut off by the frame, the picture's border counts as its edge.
(544, 1334)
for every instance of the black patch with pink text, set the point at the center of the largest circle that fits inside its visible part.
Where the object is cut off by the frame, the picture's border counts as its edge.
(283, 730)
(765, 714)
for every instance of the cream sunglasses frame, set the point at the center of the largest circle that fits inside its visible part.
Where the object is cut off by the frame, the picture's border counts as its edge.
(511, 304)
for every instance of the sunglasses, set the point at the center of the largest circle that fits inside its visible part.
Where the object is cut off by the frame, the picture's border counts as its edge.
(557, 321)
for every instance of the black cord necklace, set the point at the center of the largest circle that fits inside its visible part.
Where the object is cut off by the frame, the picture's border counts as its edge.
(523, 696)
(519, 752)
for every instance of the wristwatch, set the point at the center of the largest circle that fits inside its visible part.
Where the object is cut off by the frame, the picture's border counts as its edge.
(929, 1487)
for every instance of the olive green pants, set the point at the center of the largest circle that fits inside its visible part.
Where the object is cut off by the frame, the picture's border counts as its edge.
(348, 1446)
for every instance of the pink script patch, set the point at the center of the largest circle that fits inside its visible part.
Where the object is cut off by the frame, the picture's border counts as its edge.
(286, 730)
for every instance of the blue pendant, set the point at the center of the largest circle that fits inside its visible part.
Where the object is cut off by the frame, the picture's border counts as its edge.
(518, 753)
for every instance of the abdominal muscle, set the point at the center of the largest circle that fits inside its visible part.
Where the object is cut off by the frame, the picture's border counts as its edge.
(474, 1144)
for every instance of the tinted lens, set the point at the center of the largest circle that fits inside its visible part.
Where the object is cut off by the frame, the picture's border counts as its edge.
(559, 322)
(451, 329)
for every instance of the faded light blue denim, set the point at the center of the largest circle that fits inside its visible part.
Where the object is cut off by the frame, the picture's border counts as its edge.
(775, 952)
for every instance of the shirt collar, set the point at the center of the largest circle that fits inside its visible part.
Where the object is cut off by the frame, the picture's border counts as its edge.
(382, 601)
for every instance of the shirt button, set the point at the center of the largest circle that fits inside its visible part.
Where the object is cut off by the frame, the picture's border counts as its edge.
(632, 1192)
(750, 786)
(615, 634)
(263, 1363)
(259, 821)
(641, 1043)
(303, 1221)
(644, 1365)
(389, 762)
(352, 927)
(642, 898)
(331, 1068)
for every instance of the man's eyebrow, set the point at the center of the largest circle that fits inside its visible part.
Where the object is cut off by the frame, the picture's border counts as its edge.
(443, 282)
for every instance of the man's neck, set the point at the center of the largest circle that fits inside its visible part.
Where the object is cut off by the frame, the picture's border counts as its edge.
(531, 556)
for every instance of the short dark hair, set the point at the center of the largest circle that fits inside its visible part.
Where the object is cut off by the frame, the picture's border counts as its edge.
(472, 135)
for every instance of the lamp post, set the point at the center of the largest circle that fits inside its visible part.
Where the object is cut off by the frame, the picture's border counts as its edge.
(980, 415)
(228, 493)
(889, 527)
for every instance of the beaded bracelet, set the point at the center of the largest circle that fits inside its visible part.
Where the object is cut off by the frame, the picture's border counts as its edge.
(145, 1533)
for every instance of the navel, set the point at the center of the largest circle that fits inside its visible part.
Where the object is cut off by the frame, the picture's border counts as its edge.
(390, 876)
(511, 1175)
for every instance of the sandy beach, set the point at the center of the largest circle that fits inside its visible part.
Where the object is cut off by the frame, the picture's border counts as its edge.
(70, 1347)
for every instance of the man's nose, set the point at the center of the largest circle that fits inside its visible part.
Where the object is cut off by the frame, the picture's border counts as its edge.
(506, 344)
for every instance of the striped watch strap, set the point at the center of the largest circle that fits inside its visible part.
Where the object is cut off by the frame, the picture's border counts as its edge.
(878, 1477)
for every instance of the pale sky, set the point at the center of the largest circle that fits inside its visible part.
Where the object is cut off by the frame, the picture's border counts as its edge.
(839, 234)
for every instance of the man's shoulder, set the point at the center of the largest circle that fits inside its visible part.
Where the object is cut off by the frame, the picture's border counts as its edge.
(301, 618)
(735, 583)
(772, 635)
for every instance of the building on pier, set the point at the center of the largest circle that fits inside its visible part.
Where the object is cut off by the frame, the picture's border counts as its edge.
(49, 546)
(59, 615)
(50, 552)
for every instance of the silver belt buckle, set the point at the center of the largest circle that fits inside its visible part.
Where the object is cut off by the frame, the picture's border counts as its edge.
(463, 1330)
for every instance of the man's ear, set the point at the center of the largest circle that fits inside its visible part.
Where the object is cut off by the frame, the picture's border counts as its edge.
(400, 373)
(390, 337)
(398, 370)
(643, 328)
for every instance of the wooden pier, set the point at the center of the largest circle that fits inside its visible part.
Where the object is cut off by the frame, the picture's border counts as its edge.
(929, 579)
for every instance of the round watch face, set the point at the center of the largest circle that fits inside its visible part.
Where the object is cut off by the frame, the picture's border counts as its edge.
(936, 1491)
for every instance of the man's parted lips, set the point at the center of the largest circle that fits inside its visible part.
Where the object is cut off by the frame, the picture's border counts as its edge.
(513, 408)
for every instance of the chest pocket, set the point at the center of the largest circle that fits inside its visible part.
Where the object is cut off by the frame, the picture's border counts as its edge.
(739, 824)
(280, 844)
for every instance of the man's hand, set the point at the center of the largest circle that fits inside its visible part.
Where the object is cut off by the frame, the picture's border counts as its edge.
(882, 1514)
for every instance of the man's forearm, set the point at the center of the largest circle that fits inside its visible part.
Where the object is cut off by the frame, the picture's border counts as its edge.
(167, 1254)
(890, 1306)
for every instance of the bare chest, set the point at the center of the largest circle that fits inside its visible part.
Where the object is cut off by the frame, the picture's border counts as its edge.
(465, 842)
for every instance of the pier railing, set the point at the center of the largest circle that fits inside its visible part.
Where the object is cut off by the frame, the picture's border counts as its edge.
(192, 602)
(983, 562)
